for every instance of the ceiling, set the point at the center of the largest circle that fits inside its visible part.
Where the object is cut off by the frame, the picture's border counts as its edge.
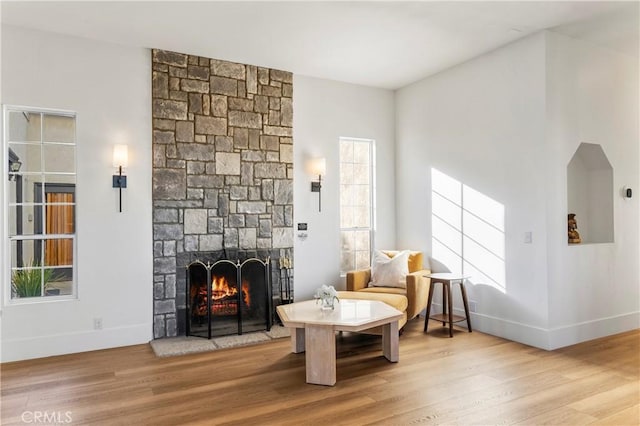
(380, 44)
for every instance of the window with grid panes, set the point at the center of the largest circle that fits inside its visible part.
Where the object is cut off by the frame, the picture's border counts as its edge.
(40, 199)
(356, 203)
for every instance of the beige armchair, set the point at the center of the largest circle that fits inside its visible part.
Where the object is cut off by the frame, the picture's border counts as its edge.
(417, 291)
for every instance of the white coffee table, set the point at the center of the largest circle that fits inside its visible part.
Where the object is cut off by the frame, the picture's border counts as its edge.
(314, 330)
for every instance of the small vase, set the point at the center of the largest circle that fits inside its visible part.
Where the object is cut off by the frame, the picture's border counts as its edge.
(328, 303)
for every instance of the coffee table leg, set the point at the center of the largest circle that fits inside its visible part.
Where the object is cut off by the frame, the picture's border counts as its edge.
(390, 343)
(321, 355)
(297, 340)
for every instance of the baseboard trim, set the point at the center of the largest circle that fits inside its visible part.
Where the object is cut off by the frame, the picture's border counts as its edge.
(548, 339)
(551, 338)
(507, 329)
(568, 335)
(69, 343)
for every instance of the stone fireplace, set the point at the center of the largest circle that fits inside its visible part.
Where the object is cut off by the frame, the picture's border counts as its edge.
(222, 172)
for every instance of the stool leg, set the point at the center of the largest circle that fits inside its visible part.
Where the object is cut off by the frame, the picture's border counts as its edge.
(429, 300)
(450, 309)
(466, 305)
(444, 302)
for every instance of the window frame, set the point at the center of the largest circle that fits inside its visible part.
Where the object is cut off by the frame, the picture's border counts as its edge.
(372, 198)
(7, 294)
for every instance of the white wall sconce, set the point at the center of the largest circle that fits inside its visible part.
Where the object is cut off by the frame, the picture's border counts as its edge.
(120, 160)
(317, 166)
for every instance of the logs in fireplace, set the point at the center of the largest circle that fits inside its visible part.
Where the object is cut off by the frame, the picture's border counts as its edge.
(228, 297)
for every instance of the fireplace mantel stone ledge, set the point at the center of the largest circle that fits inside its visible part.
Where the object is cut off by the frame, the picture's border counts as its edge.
(189, 345)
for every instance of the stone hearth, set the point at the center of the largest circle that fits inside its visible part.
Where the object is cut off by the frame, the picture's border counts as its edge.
(222, 169)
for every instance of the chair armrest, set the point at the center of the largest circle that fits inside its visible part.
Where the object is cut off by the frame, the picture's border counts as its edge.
(357, 280)
(417, 292)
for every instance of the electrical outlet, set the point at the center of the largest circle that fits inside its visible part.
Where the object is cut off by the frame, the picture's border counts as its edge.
(528, 237)
(473, 306)
(97, 323)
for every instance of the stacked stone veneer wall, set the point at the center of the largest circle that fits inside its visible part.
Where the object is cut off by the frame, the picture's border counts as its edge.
(222, 167)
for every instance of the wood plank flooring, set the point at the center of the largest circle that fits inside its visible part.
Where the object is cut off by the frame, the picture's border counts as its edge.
(471, 378)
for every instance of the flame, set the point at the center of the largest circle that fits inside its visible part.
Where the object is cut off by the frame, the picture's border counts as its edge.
(245, 293)
(221, 289)
(224, 300)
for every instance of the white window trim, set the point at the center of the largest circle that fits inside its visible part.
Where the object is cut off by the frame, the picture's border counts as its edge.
(372, 197)
(5, 260)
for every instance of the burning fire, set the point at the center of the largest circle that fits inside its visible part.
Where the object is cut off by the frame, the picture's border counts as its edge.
(220, 289)
(224, 297)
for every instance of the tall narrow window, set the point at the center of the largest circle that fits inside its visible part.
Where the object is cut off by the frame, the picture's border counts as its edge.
(356, 202)
(40, 199)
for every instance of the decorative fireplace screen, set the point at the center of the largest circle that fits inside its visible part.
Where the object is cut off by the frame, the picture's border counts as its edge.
(226, 298)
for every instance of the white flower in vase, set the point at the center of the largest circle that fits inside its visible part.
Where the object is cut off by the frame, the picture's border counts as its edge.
(327, 295)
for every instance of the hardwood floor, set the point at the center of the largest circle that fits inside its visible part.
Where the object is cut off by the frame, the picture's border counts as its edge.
(472, 378)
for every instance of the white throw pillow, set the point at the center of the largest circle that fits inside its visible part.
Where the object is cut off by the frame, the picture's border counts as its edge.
(389, 272)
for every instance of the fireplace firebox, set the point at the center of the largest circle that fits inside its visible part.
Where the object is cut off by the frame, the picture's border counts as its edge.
(228, 297)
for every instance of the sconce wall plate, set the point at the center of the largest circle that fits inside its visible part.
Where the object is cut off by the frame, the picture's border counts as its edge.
(119, 181)
(316, 186)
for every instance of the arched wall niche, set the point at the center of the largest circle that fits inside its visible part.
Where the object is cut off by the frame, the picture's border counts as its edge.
(590, 193)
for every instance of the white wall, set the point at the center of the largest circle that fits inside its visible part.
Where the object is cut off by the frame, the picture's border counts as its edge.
(482, 123)
(507, 124)
(324, 111)
(592, 96)
(590, 193)
(109, 88)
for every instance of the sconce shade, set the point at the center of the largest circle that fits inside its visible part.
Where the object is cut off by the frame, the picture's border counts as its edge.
(318, 166)
(120, 156)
